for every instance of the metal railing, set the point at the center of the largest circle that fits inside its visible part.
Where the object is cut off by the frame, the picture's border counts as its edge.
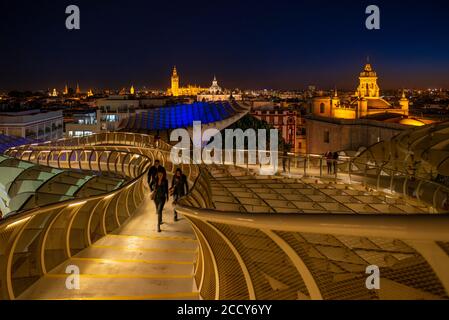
(322, 256)
(33, 242)
(284, 256)
(385, 177)
(241, 256)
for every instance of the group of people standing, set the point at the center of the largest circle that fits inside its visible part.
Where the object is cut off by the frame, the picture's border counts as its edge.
(331, 162)
(157, 180)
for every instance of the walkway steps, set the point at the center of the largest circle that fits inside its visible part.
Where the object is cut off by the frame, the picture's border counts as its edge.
(135, 262)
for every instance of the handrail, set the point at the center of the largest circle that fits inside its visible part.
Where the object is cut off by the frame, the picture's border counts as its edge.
(320, 256)
(243, 256)
(414, 227)
(24, 236)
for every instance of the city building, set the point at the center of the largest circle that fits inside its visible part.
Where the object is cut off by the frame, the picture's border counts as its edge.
(289, 123)
(32, 124)
(106, 116)
(362, 119)
(79, 123)
(216, 93)
(177, 91)
(365, 102)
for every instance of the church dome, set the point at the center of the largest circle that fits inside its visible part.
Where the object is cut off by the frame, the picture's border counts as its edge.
(368, 71)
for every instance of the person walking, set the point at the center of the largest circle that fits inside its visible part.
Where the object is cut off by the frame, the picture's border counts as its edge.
(152, 173)
(329, 162)
(284, 160)
(179, 187)
(335, 160)
(160, 195)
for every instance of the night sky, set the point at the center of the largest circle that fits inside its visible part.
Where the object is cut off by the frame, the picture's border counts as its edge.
(246, 44)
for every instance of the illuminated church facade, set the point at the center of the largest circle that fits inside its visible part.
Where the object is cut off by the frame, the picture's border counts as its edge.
(358, 120)
(175, 90)
(216, 93)
(366, 101)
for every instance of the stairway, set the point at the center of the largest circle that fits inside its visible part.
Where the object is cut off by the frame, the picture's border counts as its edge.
(134, 263)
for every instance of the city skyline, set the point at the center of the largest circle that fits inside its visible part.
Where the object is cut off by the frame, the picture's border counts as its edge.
(132, 88)
(248, 46)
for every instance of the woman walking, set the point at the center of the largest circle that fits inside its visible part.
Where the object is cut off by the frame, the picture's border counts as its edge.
(179, 187)
(160, 195)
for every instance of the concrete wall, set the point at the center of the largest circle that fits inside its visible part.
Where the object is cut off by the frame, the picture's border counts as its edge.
(316, 106)
(347, 134)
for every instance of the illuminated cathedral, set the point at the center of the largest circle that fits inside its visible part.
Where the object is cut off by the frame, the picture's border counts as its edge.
(177, 91)
(358, 120)
(366, 101)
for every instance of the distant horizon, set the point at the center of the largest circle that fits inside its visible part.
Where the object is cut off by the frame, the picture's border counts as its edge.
(149, 88)
(302, 87)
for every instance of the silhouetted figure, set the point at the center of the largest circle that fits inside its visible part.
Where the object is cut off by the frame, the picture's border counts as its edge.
(329, 157)
(152, 173)
(179, 187)
(335, 160)
(284, 160)
(160, 195)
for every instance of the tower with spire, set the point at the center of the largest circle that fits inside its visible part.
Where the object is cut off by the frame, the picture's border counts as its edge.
(335, 101)
(404, 103)
(78, 91)
(176, 90)
(132, 91)
(368, 87)
(175, 83)
(215, 88)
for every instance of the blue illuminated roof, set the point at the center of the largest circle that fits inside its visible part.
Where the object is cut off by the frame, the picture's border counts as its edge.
(7, 142)
(180, 116)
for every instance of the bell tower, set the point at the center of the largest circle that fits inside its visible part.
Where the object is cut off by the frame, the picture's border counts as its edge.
(368, 87)
(175, 83)
(404, 103)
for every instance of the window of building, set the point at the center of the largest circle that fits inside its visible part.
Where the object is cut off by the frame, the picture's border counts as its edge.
(112, 118)
(326, 136)
(322, 108)
(80, 133)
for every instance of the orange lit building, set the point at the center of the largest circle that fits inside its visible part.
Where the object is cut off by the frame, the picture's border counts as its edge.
(364, 119)
(177, 91)
(365, 102)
